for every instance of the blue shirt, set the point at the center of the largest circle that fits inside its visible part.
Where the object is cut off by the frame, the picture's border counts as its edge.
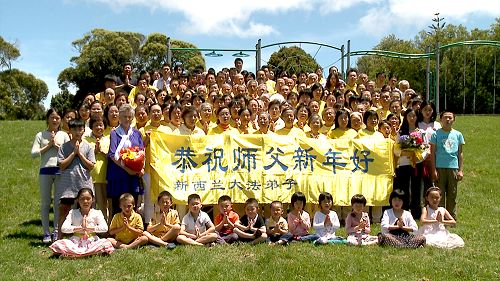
(447, 144)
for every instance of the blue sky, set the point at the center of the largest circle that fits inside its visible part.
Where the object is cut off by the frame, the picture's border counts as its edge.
(43, 30)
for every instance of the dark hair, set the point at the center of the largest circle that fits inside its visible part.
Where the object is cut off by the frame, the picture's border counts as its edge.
(251, 201)
(316, 86)
(96, 118)
(127, 196)
(339, 113)
(192, 197)
(85, 189)
(172, 108)
(224, 198)
(420, 116)
(405, 126)
(75, 123)
(298, 196)
(164, 193)
(358, 198)
(274, 102)
(368, 114)
(446, 111)
(49, 112)
(431, 189)
(276, 202)
(324, 196)
(243, 109)
(187, 110)
(142, 106)
(328, 83)
(398, 193)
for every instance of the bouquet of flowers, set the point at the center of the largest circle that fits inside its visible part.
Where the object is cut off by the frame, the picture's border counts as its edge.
(133, 158)
(415, 143)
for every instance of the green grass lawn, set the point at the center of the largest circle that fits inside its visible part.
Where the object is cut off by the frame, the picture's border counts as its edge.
(24, 257)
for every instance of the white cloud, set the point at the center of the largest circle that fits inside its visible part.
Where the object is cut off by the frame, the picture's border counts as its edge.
(332, 6)
(394, 15)
(225, 17)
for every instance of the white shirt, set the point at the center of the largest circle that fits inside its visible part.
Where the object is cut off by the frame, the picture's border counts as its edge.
(389, 218)
(319, 224)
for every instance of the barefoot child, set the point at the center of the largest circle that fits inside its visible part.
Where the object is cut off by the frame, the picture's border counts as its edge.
(196, 228)
(225, 220)
(126, 226)
(165, 225)
(251, 227)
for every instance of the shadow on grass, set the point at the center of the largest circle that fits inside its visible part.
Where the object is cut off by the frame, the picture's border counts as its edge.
(22, 235)
(36, 222)
(38, 244)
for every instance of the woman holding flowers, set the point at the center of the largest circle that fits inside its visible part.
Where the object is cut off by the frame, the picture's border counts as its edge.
(125, 143)
(411, 148)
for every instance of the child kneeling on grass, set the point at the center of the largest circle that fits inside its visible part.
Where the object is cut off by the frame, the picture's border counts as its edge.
(127, 226)
(196, 228)
(164, 226)
(251, 226)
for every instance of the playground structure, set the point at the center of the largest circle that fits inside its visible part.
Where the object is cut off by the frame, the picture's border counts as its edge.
(432, 93)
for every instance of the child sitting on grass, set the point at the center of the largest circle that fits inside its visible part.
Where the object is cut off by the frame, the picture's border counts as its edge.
(357, 224)
(225, 220)
(299, 220)
(326, 222)
(126, 226)
(196, 228)
(276, 225)
(251, 227)
(164, 226)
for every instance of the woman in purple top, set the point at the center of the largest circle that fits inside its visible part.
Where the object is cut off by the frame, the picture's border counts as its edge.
(120, 178)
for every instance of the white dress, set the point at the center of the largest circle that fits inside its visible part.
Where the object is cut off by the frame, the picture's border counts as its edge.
(436, 233)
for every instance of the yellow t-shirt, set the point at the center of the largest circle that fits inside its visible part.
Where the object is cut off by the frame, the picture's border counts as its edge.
(363, 133)
(98, 173)
(126, 236)
(325, 129)
(353, 88)
(217, 130)
(295, 132)
(210, 125)
(340, 134)
(172, 217)
(270, 84)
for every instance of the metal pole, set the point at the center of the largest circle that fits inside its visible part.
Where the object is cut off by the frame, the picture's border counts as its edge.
(342, 61)
(475, 83)
(348, 56)
(445, 74)
(428, 74)
(463, 85)
(258, 55)
(169, 52)
(494, 81)
(437, 78)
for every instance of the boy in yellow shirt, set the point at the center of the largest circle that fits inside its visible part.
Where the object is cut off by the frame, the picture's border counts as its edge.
(127, 227)
(165, 225)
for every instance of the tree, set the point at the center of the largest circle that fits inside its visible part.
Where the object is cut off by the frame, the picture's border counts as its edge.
(189, 59)
(8, 53)
(292, 60)
(103, 52)
(21, 95)
(62, 101)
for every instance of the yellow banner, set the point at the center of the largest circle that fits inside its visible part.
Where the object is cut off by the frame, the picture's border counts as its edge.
(270, 168)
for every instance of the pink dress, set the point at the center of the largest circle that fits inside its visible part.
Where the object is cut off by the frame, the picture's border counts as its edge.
(436, 233)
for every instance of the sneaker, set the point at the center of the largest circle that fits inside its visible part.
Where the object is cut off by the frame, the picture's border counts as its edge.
(46, 238)
(54, 235)
(171, 246)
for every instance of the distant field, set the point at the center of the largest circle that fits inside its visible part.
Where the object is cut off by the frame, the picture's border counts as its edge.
(25, 258)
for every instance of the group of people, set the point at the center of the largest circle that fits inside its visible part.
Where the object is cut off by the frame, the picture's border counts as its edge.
(80, 149)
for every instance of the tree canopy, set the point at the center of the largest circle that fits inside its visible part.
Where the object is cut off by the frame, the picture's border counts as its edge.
(292, 60)
(456, 67)
(8, 53)
(103, 52)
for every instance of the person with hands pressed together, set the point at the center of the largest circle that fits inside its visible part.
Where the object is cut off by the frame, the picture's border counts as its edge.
(326, 222)
(75, 159)
(357, 224)
(398, 225)
(277, 226)
(196, 229)
(127, 227)
(120, 178)
(251, 226)
(84, 223)
(164, 226)
(225, 220)
(46, 145)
